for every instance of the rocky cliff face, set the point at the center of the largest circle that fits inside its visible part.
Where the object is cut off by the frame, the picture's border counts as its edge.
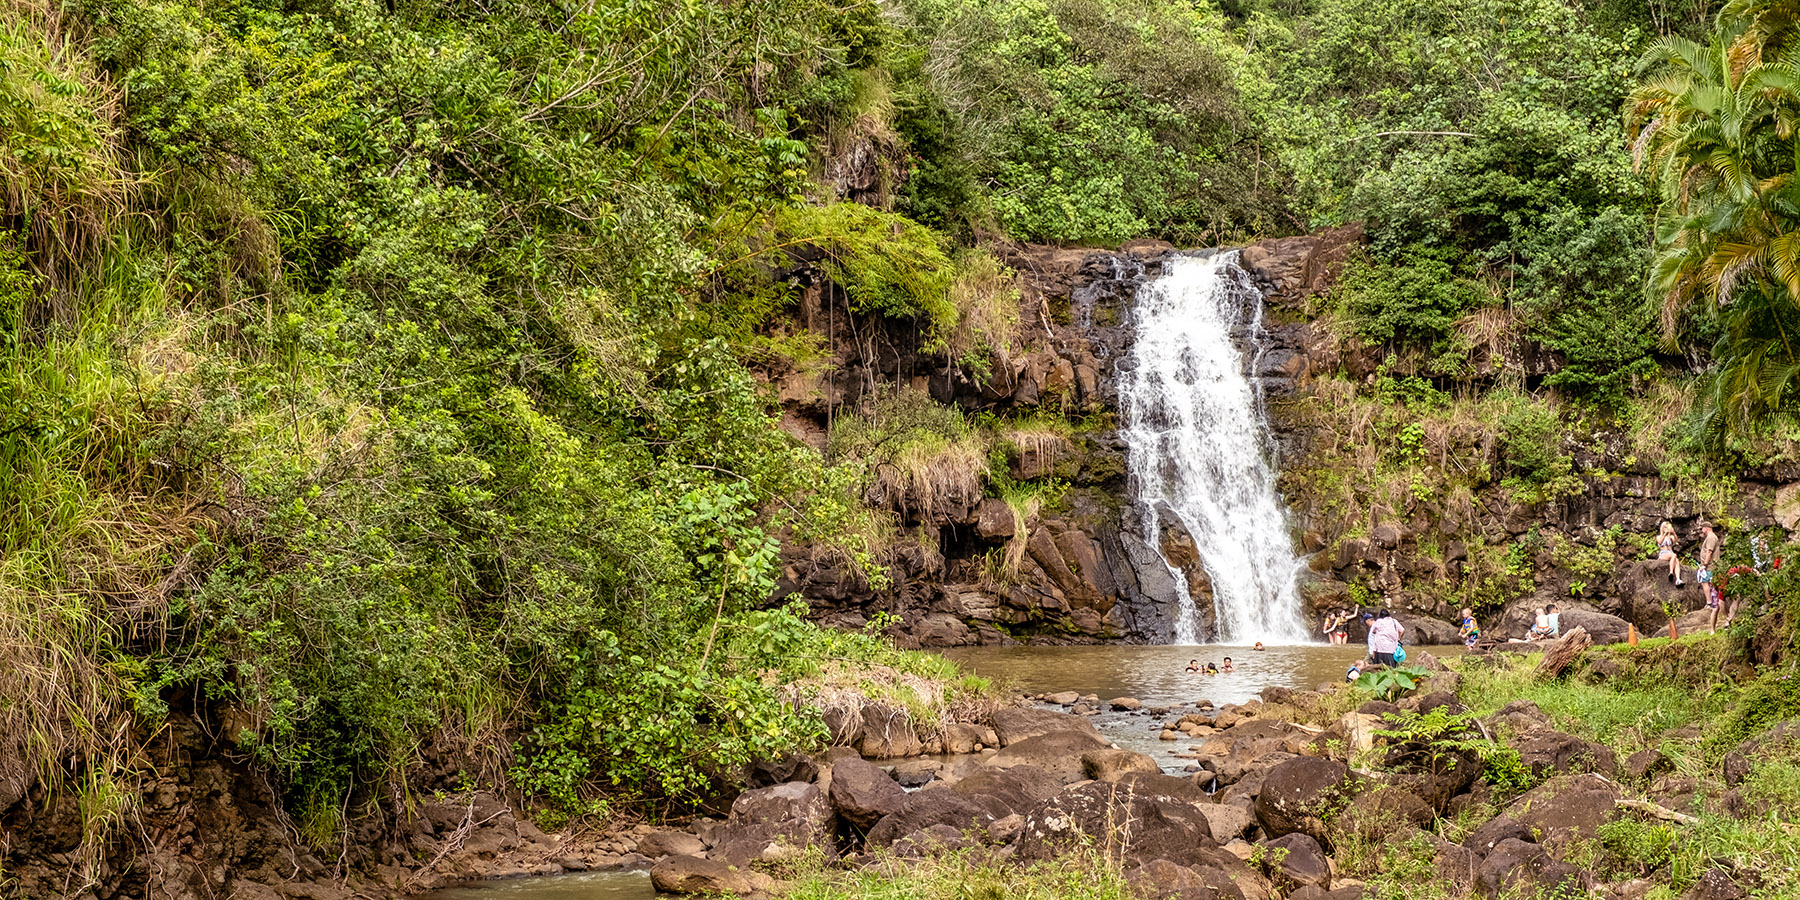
(1085, 572)
(1082, 571)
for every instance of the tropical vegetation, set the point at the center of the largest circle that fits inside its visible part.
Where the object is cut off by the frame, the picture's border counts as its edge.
(371, 372)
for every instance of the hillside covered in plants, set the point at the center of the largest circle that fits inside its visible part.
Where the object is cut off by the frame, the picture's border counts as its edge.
(391, 393)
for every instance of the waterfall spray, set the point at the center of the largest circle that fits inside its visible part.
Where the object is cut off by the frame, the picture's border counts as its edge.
(1201, 450)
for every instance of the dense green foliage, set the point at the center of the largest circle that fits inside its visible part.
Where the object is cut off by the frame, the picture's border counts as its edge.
(372, 372)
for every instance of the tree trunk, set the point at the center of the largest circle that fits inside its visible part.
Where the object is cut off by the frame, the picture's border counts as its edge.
(1563, 651)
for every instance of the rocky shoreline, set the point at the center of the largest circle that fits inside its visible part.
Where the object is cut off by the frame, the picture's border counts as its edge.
(1278, 791)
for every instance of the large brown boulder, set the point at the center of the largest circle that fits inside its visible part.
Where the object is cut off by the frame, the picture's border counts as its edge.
(1516, 868)
(862, 793)
(1567, 810)
(1123, 824)
(1300, 793)
(771, 822)
(887, 732)
(1547, 751)
(1112, 764)
(1005, 791)
(1013, 724)
(658, 844)
(693, 875)
(1500, 828)
(1160, 879)
(925, 808)
(1293, 268)
(1604, 628)
(1058, 753)
(1296, 860)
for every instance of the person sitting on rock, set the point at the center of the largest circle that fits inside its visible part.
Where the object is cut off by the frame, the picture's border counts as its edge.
(1665, 549)
(1228, 667)
(1193, 665)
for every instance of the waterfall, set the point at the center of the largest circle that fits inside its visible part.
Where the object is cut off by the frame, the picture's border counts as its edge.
(1201, 450)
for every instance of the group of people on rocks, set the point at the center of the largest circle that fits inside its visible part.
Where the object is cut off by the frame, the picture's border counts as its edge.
(1385, 632)
(1706, 564)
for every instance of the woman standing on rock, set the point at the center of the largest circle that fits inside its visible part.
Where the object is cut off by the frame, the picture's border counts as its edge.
(1665, 544)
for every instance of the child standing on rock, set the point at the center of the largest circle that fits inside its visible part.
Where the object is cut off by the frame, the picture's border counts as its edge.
(1469, 632)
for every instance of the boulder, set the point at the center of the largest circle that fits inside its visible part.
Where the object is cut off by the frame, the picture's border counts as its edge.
(1111, 765)
(1715, 884)
(887, 732)
(1297, 860)
(925, 843)
(1298, 794)
(994, 520)
(1160, 879)
(1604, 628)
(1013, 724)
(1063, 698)
(1005, 791)
(658, 844)
(862, 793)
(1191, 788)
(923, 809)
(1640, 766)
(1517, 868)
(1058, 753)
(693, 875)
(1567, 810)
(1547, 751)
(1123, 824)
(1228, 821)
(1125, 704)
(766, 823)
(961, 737)
(1503, 827)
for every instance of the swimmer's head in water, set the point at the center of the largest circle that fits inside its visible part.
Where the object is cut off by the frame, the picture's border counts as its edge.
(1258, 646)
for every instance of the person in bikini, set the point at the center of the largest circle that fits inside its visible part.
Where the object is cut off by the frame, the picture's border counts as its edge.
(1334, 628)
(1665, 549)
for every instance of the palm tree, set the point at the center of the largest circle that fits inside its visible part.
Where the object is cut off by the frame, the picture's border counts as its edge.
(1718, 142)
(1714, 125)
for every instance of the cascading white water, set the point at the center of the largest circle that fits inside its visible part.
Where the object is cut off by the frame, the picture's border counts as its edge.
(1200, 448)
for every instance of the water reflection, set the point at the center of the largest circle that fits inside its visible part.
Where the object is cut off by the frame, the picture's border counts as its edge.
(613, 885)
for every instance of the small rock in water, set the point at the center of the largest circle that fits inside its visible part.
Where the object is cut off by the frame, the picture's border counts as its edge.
(1090, 698)
(1203, 704)
(1125, 704)
(1169, 735)
(1158, 710)
(1063, 698)
(1082, 709)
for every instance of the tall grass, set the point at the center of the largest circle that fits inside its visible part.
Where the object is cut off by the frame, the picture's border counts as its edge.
(62, 183)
